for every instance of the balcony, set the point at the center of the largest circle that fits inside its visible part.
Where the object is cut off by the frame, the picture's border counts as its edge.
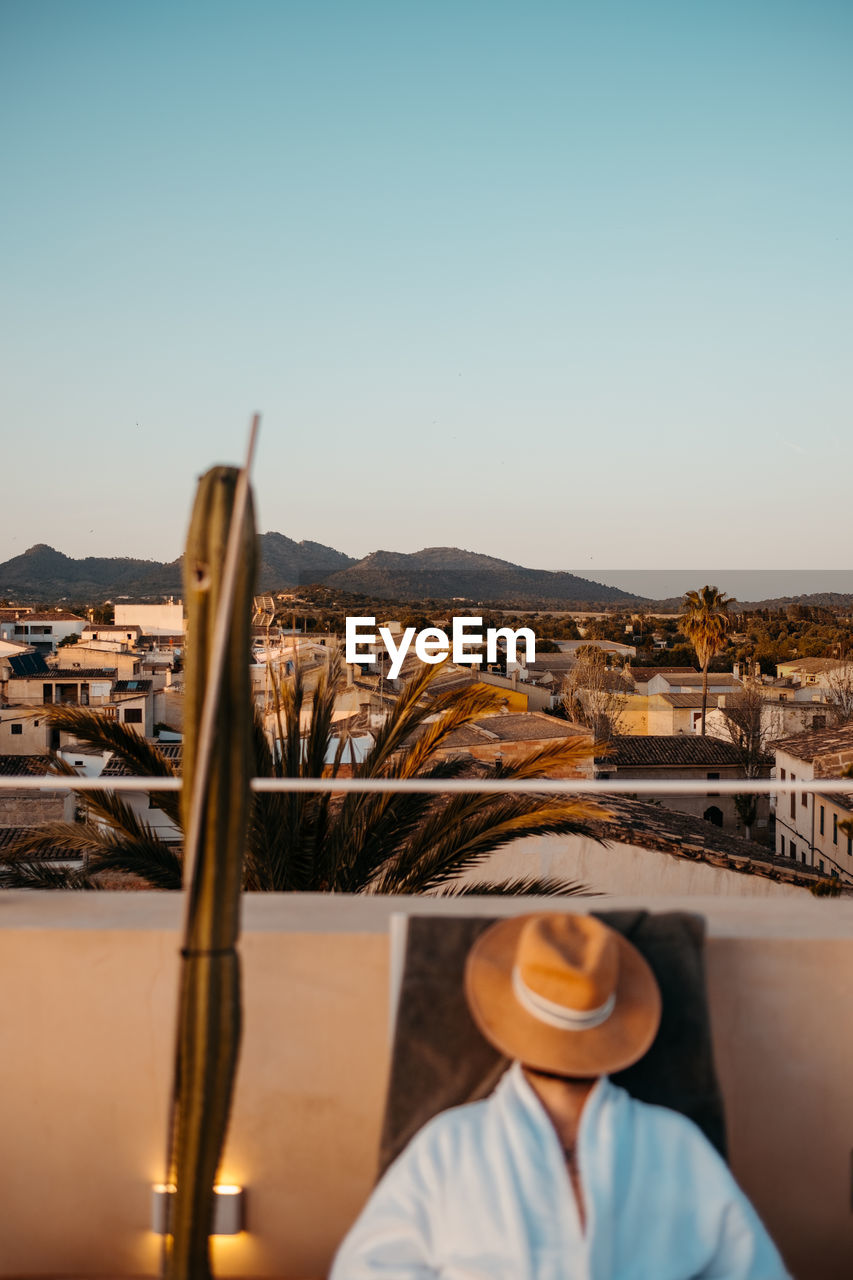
(85, 1081)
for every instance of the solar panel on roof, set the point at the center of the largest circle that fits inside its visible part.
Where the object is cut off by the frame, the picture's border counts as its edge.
(27, 664)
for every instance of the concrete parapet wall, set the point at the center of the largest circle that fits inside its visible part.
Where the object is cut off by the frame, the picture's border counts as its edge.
(624, 869)
(86, 1031)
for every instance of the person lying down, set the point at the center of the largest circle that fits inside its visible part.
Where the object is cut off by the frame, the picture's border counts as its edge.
(560, 1174)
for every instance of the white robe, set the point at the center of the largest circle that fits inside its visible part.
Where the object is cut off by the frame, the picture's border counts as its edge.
(483, 1193)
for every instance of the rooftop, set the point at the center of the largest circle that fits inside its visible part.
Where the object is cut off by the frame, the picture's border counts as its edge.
(10, 836)
(844, 801)
(642, 675)
(553, 662)
(684, 699)
(81, 673)
(49, 615)
(24, 766)
(522, 727)
(654, 826)
(468, 735)
(811, 666)
(815, 743)
(670, 750)
(68, 673)
(526, 727)
(694, 678)
(116, 768)
(27, 664)
(112, 626)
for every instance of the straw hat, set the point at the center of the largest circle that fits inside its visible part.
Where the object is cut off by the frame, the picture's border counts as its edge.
(563, 993)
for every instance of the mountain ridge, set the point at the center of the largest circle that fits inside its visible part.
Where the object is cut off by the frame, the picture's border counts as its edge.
(452, 573)
(431, 573)
(42, 573)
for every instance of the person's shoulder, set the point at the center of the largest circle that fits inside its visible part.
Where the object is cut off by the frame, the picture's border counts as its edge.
(471, 1129)
(665, 1123)
(442, 1145)
(453, 1124)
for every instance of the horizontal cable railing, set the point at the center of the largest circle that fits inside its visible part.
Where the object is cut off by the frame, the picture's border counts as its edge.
(464, 786)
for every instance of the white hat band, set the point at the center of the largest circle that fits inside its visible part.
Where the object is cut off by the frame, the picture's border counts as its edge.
(559, 1015)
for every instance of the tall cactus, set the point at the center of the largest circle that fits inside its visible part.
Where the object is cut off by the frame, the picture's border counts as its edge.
(215, 807)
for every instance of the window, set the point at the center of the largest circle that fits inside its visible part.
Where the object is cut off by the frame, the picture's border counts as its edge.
(710, 777)
(819, 722)
(850, 845)
(133, 715)
(17, 729)
(782, 774)
(781, 846)
(793, 850)
(835, 828)
(821, 866)
(821, 819)
(804, 800)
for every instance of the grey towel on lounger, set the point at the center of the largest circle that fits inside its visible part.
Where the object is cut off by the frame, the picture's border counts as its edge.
(439, 1058)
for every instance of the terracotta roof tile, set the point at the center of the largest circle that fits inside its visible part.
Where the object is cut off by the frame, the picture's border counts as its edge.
(654, 826)
(527, 727)
(24, 766)
(670, 751)
(815, 743)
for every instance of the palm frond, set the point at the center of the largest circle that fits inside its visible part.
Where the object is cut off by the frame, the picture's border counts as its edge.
(523, 886)
(142, 757)
(468, 829)
(353, 851)
(101, 849)
(378, 830)
(564, 754)
(287, 837)
(44, 875)
(160, 865)
(407, 714)
(68, 839)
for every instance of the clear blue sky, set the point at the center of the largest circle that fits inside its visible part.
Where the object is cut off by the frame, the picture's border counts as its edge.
(565, 282)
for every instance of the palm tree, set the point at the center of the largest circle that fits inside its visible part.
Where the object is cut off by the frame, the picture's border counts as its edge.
(705, 621)
(377, 842)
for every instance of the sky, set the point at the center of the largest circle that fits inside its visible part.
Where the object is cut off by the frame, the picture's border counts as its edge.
(566, 283)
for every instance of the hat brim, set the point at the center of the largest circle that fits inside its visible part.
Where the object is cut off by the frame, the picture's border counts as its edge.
(613, 1045)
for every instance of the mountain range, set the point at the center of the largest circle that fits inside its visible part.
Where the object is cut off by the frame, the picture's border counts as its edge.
(439, 573)
(43, 574)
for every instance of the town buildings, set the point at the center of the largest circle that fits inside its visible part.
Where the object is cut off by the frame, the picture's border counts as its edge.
(809, 824)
